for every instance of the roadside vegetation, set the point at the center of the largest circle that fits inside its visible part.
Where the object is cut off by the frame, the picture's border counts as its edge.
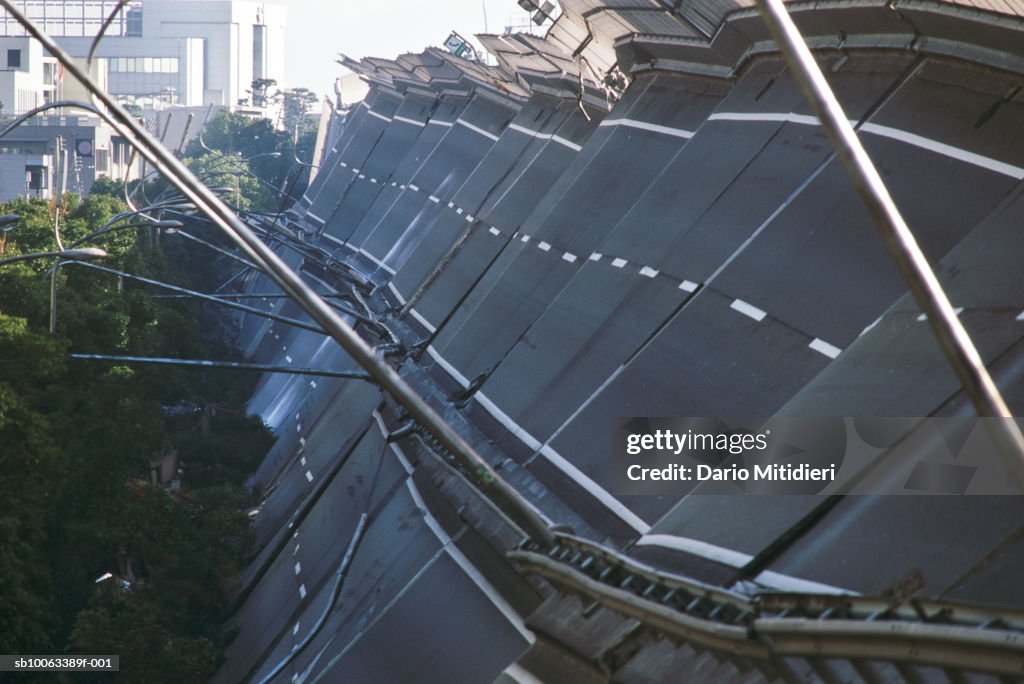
(99, 554)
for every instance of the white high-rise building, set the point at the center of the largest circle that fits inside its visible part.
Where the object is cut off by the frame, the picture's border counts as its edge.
(174, 52)
(157, 54)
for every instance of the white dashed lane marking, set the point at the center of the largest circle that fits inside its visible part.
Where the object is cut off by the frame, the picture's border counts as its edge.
(748, 310)
(823, 347)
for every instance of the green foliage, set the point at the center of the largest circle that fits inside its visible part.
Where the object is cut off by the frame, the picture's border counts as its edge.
(260, 91)
(32, 471)
(34, 233)
(25, 618)
(297, 102)
(236, 136)
(76, 444)
(107, 186)
(233, 447)
(248, 190)
(17, 343)
(130, 623)
(164, 623)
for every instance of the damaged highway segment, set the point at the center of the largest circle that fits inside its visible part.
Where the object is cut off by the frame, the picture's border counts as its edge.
(637, 214)
(675, 237)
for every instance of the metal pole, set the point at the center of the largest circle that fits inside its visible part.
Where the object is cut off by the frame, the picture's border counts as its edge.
(27, 257)
(107, 229)
(53, 296)
(963, 356)
(184, 133)
(256, 295)
(230, 365)
(199, 295)
(58, 163)
(84, 253)
(340, 307)
(189, 236)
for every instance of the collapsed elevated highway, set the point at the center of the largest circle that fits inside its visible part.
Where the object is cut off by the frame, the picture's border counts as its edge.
(638, 215)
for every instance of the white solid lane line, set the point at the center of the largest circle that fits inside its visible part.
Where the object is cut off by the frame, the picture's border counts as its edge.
(644, 126)
(906, 137)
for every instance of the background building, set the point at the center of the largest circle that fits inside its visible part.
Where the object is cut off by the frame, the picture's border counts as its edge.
(29, 78)
(192, 55)
(162, 53)
(86, 147)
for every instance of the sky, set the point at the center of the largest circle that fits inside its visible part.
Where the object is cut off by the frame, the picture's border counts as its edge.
(319, 29)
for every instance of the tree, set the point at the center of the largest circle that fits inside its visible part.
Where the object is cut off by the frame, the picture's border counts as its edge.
(252, 191)
(76, 442)
(297, 102)
(271, 153)
(236, 135)
(232, 132)
(261, 91)
(106, 185)
(33, 469)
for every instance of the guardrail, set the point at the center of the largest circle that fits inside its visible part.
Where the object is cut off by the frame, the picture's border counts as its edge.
(771, 629)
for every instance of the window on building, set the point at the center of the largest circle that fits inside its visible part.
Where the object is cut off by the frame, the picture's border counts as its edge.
(37, 177)
(144, 65)
(133, 21)
(103, 161)
(27, 99)
(14, 59)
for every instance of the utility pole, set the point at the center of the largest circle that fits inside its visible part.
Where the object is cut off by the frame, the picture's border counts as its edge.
(58, 161)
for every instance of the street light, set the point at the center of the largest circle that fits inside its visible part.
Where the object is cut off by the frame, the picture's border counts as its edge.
(84, 254)
(188, 236)
(295, 150)
(168, 224)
